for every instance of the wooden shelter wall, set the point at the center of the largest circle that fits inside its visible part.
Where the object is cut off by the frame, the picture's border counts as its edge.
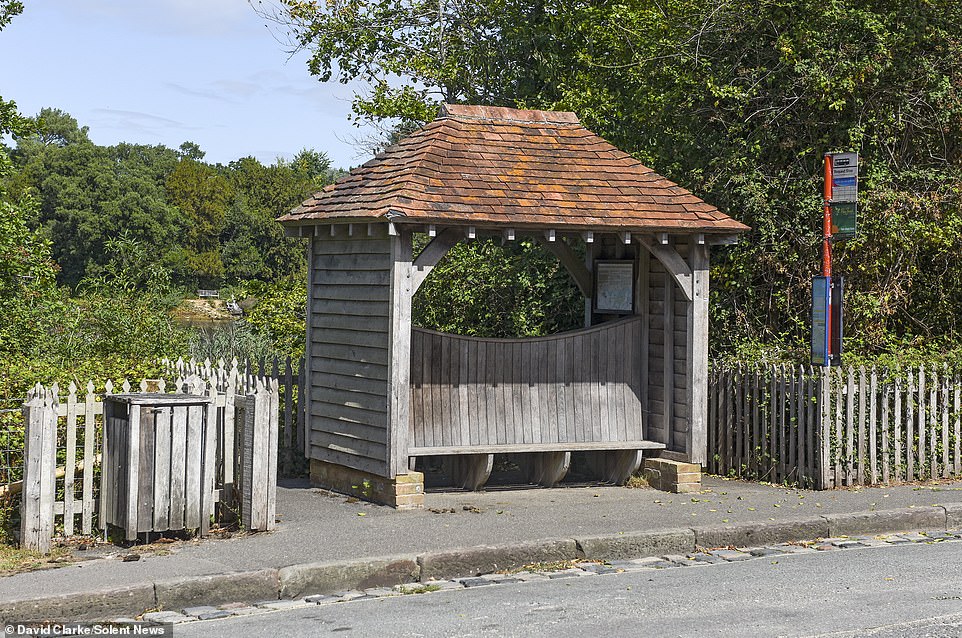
(668, 419)
(577, 387)
(349, 349)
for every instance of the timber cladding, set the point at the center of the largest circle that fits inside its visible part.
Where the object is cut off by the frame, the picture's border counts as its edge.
(577, 387)
(667, 359)
(349, 348)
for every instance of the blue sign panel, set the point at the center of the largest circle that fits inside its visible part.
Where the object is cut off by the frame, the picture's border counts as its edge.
(821, 307)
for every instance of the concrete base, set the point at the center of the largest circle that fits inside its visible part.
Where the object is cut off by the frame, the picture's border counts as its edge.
(673, 476)
(404, 492)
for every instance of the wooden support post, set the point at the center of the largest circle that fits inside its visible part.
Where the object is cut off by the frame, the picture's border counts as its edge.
(697, 335)
(399, 364)
(39, 470)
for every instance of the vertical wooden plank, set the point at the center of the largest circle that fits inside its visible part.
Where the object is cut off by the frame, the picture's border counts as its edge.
(178, 456)
(823, 456)
(861, 425)
(418, 388)
(271, 433)
(850, 428)
(133, 471)
(145, 489)
(754, 459)
(475, 372)
(774, 423)
(209, 460)
(194, 456)
(565, 408)
(737, 382)
(90, 435)
(668, 352)
(839, 443)
(724, 421)
(465, 407)
(873, 425)
(813, 426)
(399, 368)
(70, 460)
(798, 421)
(886, 448)
(944, 410)
(933, 419)
(697, 351)
(784, 423)
(765, 408)
(304, 379)
(910, 428)
(36, 509)
(897, 429)
(644, 309)
(163, 418)
(921, 425)
(957, 430)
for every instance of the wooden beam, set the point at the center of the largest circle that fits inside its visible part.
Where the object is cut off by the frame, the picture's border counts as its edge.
(436, 249)
(721, 240)
(399, 362)
(697, 334)
(673, 263)
(572, 264)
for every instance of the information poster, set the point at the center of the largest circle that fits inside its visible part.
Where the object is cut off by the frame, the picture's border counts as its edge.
(844, 177)
(821, 299)
(615, 287)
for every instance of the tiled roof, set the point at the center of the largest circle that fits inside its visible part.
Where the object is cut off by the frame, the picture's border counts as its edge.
(490, 166)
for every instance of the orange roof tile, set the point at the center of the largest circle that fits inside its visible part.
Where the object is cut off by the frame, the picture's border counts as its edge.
(484, 165)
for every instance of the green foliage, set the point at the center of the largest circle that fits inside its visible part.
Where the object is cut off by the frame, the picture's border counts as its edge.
(279, 314)
(488, 290)
(736, 101)
(208, 224)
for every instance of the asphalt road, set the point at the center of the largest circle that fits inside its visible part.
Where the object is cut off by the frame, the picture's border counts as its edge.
(910, 590)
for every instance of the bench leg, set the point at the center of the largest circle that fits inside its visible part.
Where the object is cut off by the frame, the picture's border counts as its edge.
(471, 471)
(615, 466)
(548, 468)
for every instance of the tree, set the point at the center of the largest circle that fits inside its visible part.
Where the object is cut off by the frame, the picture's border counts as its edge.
(734, 99)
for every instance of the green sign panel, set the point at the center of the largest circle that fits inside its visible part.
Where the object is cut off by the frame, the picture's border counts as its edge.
(844, 218)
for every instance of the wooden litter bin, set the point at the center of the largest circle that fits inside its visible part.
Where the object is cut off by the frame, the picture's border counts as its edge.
(158, 462)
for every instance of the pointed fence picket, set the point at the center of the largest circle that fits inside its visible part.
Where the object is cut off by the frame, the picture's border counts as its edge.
(830, 427)
(63, 448)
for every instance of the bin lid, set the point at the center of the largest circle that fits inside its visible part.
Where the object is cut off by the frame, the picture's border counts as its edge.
(158, 398)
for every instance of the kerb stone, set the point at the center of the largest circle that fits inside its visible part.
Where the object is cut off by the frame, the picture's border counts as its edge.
(757, 534)
(217, 589)
(330, 577)
(486, 559)
(637, 544)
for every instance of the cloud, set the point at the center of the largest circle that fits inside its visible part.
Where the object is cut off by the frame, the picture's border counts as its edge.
(208, 17)
(135, 121)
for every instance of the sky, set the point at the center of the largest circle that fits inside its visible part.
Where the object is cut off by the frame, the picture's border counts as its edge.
(168, 71)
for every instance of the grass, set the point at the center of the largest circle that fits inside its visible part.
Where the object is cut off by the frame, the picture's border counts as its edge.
(419, 589)
(14, 560)
(636, 481)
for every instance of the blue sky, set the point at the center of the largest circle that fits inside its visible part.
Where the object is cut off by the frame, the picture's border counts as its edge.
(167, 71)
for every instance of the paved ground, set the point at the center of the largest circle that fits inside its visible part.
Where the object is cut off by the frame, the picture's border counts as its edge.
(318, 526)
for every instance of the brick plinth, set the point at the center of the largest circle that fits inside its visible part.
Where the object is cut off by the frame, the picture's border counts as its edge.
(673, 476)
(404, 492)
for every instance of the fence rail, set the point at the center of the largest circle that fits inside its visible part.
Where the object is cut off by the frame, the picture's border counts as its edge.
(832, 427)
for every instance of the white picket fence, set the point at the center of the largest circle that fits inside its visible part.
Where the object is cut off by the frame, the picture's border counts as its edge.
(833, 427)
(64, 444)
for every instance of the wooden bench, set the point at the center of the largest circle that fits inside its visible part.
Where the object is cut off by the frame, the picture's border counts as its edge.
(611, 461)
